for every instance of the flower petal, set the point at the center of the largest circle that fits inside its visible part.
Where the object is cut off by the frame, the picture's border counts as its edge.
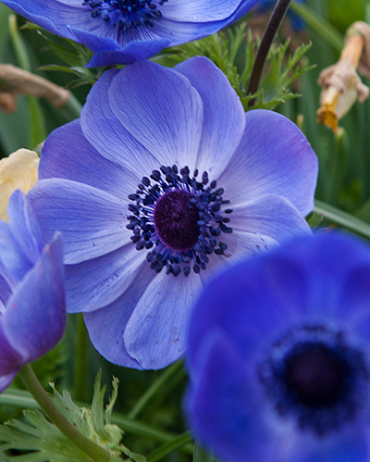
(35, 315)
(269, 220)
(166, 118)
(92, 221)
(24, 226)
(274, 157)
(102, 129)
(106, 326)
(95, 283)
(83, 164)
(196, 10)
(224, 118)
(155, 333)
(233, 427)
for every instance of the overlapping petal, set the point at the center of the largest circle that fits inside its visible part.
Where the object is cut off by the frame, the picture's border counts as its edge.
(265, 164)
(33, 310)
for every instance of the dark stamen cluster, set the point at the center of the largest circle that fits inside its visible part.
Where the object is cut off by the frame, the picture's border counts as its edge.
(315, 377)
(204, 219)
(131, 13)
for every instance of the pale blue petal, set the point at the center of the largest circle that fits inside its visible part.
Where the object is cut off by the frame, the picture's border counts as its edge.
(224, 118)
(91, 221)
(166, 117)
(83, 163)
(155, 333)
(274, 157)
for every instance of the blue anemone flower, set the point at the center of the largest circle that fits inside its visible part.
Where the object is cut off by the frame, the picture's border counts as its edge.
(124, 31)
(163, 180)
(279, 355)
(32, 294)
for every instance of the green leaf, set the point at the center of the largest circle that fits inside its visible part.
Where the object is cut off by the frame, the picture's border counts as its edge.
(47, 443)
(342, 219)
(201, 454)
(233, 51)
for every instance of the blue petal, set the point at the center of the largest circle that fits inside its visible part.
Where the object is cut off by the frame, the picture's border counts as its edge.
(14, 263)
(165, 117)
(108, 136)
(274, 157)
(49, 14)
(91, 221)
(35, 315)
(107, 326)
(83, 163)
(10, 359)
(224, 119)
(155, 334)
(24, 226)
(266, 296)
(225, 406)
(200, 10)
(95, 283)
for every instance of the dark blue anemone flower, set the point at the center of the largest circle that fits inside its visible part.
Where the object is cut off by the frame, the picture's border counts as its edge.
(32, 293)
(124, 31)
(279, 356)
(163, 180)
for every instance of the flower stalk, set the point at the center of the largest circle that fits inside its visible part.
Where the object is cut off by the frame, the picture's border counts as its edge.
(93, 450)
(272, 26)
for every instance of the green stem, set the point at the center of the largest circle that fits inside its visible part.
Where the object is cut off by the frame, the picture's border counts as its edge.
(80, 369)
(169, 447)
(153, 389)
(93, 450)
(272, 26)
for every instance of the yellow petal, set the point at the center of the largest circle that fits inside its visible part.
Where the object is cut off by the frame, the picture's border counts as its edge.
(18, 171)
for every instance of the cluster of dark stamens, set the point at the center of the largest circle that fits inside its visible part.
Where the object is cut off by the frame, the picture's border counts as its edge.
(179, 218)
(314, 376)
(132, 13)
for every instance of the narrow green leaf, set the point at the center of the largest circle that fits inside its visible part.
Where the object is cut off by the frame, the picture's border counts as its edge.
(342, 219)
(322, 27)
(201, 454)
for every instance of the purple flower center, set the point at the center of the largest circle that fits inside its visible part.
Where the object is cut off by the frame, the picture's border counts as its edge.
(179, 218)
(315, 377)
(126, 14)
(176, 220)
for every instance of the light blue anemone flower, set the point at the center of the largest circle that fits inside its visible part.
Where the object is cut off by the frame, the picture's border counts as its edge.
(162, 181)
(279, 355)
(125, 31)
(32, 293)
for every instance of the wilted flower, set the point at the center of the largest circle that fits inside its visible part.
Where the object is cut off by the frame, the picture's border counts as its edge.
(18, 171)
(341, 85)
(163, 180)
(124, 31)
(32, 294)
(279, 355)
